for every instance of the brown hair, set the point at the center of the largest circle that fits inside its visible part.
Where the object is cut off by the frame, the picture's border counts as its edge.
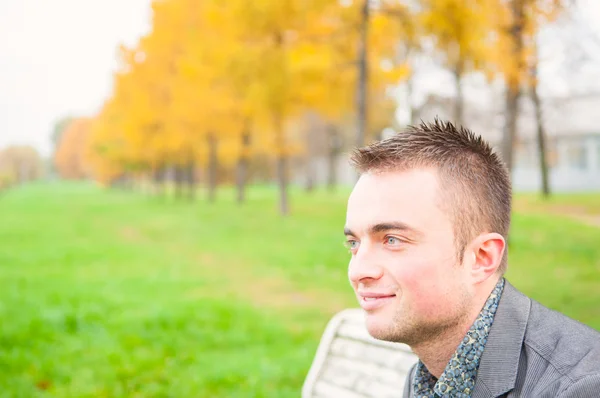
(475, 183)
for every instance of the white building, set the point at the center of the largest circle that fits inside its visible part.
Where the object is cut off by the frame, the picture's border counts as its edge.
(573, 141)
(573, 138)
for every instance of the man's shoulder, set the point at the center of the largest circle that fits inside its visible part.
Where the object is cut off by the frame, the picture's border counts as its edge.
(569, 346)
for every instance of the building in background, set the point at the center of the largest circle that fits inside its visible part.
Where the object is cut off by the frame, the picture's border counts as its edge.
(573, 140)
(573, 145)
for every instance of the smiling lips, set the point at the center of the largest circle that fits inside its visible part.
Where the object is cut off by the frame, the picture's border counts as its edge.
(370, 301)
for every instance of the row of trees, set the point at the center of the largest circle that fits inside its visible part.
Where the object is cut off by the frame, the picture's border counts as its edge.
(218, 84)
(18, 165)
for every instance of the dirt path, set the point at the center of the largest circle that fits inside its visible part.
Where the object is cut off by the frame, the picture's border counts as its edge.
(590, 219)
(578, 213)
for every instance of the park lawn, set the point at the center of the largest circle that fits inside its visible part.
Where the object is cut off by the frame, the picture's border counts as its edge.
(583, 203)
(116, 294)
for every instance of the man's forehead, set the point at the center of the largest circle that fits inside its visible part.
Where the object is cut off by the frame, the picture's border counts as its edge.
(415, 185)
(406, 196)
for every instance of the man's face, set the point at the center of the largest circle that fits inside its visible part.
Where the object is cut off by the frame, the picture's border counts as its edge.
(404, 267)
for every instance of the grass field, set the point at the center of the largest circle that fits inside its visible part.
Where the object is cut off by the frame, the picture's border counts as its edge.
(115, 294)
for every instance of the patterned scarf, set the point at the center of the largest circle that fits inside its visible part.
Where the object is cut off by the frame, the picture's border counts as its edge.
(458, 378)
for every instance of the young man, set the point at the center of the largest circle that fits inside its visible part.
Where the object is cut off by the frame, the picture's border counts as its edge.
(427, 226)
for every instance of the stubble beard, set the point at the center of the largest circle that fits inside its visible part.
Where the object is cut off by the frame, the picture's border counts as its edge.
(414, 332)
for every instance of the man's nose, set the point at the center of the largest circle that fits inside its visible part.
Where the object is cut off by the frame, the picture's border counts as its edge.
(364, 265)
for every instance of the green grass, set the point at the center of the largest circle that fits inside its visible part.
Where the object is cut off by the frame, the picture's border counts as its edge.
(577, 203)
(115, 294)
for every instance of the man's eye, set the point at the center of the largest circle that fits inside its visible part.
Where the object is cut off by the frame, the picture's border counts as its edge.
(352, 244)
(391, 240)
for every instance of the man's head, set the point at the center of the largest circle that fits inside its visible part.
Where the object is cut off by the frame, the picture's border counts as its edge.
(426, 224)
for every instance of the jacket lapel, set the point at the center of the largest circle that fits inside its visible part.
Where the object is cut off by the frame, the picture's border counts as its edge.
(497, 372)
(408, 387)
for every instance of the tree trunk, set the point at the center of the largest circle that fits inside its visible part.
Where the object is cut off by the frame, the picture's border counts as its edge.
(412, 112)
(148, 182)
(459, 102)
(334, 149)
(309, 170)
(513, 90)
(127, 182)
(159, 181)
(541, 134)
(282, 179)
(242, 171)
(242, 167)
(212, 167)
(510, 127)
(191, 180)
(179, 181)
(281, 165)
(363, 76)
(314, 129)
(280, 144)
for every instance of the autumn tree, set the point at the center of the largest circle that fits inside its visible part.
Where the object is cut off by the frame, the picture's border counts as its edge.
(377, 29)
(69, 156)
(216, 83)
(59, 128)
(287, 37)
(520, 20)
(357, 79)
(540, 128)
(18, 165)
(138, 130)
(464, 33)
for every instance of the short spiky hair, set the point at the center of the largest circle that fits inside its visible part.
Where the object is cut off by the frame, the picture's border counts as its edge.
(475, 183)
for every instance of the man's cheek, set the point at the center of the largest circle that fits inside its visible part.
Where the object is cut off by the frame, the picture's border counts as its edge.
(410, 279)
(423, 293)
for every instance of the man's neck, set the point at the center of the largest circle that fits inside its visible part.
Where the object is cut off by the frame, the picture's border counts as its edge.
(436, 353)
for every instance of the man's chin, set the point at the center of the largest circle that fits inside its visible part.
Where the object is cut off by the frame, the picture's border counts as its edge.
(379, 326)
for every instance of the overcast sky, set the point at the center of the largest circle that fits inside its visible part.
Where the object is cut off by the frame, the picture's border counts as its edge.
(57, 58)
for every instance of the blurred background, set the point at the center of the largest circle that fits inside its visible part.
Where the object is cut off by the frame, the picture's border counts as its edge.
(174, 174)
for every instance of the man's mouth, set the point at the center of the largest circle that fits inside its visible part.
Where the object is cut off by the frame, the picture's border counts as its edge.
(371, 301)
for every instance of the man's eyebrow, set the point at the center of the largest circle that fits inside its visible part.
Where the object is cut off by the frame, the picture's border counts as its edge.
(393, 225)
(386, 226)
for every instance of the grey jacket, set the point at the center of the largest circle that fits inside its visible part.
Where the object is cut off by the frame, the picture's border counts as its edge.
(536, 352)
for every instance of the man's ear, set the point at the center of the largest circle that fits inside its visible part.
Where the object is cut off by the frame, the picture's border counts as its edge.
(485, 255)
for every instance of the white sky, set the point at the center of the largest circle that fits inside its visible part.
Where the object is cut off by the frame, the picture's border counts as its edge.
(57, 58)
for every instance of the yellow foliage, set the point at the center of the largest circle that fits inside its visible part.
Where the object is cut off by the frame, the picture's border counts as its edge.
(535, 13)
(69, 157)
(226, 68)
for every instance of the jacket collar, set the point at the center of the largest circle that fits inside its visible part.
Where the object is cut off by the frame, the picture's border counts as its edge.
(499, 362)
